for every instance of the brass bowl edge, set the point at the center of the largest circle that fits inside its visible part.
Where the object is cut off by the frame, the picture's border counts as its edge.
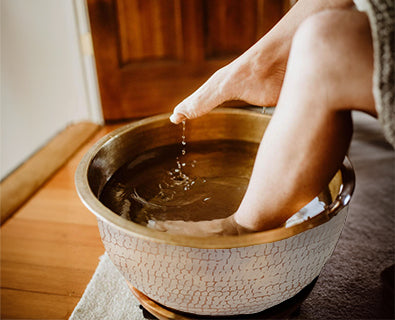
(213, 242)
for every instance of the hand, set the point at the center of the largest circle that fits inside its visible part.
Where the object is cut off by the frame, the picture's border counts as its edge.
(217, 227)
(255, 77)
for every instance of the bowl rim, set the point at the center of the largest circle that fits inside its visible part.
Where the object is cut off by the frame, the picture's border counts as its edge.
(211, 242)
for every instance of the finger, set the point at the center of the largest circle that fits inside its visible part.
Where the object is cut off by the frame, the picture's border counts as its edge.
(207, 97)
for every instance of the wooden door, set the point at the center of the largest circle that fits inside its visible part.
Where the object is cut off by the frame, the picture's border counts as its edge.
(150, 54)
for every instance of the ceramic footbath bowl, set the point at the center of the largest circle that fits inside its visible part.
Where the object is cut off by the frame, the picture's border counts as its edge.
(225, 275)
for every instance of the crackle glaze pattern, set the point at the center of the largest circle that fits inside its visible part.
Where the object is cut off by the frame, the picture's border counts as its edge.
(222, 281)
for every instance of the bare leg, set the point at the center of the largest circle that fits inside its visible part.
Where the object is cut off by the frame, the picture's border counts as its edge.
(329, 73)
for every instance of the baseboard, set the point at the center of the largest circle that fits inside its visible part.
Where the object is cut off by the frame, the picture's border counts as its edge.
(21, 184)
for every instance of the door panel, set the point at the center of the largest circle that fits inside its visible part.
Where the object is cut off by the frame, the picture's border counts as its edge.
(150, 54)
(230, 27)
(149, 29)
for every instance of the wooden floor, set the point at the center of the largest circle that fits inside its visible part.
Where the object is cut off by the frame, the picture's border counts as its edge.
(49, 249)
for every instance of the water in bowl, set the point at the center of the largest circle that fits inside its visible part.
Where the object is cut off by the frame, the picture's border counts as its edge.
(207, 181)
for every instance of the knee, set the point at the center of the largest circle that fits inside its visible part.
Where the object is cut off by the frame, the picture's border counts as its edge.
(313, 30)
(333, 49)
(321, 38)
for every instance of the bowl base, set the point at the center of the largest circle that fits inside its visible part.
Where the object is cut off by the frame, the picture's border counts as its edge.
(285, 310)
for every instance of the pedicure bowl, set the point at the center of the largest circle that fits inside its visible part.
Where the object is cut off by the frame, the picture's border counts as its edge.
(212, 276)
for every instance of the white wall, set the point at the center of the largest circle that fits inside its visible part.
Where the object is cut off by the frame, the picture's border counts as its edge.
(46, 83)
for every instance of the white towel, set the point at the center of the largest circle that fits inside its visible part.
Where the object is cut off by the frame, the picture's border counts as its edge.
(107, 296)
(310, 210)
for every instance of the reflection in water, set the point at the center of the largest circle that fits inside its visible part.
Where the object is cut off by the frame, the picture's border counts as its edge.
(207, 182)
